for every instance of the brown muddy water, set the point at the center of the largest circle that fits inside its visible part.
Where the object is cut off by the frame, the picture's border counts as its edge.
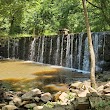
(24, 76)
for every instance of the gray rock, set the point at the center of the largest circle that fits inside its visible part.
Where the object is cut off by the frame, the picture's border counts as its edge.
(38, 108)
(46, 97)
(17, 101)
(2, 104)
(29, 95)
(9, 107)
(83, 94)
(106, 91)
(30, 106)
(64, 97)
(83, 103)
(37, 99)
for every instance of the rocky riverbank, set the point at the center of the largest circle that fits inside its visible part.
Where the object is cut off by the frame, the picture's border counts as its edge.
(79, 96)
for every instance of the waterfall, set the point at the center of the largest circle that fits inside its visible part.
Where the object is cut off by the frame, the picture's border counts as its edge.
(57, 51)
(86, 56)
(61, 58)
(71, 54)
(68, 51)
(50, 51)
(75, 53)
(104, 45)
(39, 43)
(95, 44)
(42, 52)
(80, 50)
(32, 50)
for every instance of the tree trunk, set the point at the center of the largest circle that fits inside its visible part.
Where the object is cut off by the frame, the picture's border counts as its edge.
(92, 55)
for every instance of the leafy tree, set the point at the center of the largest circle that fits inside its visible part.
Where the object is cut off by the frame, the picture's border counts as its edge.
(92, 55)
(48, 16)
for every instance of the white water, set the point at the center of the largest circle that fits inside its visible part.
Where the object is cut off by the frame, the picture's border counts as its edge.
(71, 54)
(68, 52)
(38, 55)
(50, 52)
(57, 51)
(75, 56)
(86, 56)
(80, 50)
(61, 58)
(42, 52)
(32, 50)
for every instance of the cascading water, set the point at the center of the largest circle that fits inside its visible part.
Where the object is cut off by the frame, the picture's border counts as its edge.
(57, 51)
(39, 43)
(104, 45)
(86, 56)
(71, 52)
(32, 50)
(50, 51)
(68, 64)
(61, 59)
(42, 52)
(68, 51)
(80, 50)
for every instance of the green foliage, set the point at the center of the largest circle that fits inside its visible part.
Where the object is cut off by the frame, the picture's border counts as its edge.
(49, 104)
(70, 96)
(39, 17)
(102, 105)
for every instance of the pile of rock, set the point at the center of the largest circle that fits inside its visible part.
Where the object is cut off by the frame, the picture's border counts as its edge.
(80, 96)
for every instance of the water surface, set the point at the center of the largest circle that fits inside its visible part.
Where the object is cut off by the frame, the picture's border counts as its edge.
(25, 75)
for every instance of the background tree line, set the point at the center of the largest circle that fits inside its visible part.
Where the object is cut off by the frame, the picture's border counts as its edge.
(46, 17)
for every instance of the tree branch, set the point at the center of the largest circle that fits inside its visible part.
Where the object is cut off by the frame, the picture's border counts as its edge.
(93, 5)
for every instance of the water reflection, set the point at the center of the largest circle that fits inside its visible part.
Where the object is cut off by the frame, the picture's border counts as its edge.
(24, 76)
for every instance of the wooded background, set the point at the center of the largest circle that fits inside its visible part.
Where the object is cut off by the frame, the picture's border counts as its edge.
(46, 17)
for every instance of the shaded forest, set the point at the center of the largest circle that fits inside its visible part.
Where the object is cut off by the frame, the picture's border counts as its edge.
(46, 17)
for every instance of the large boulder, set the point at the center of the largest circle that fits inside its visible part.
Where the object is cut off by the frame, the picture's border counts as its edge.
(17, 101)
(29, 95)
(9, 107)
(46, 97)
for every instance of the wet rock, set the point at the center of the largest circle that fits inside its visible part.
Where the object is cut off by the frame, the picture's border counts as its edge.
(100, 89)
(92, 89)
(75, 91)
(56, 96)
(24, 103)
(75, 85)
(83, 103)
(11, 103)
(30, 106)
(107, 94)
(46, 97)
(107, 85)
(83, 94)
(38, 108)
(37, 99)
(9, 107)
(29, 95)
(64, 97)
(17, 101)
(2, 104)
(106, 91)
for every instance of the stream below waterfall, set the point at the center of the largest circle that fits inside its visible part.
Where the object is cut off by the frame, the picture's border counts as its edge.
(26, 75)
